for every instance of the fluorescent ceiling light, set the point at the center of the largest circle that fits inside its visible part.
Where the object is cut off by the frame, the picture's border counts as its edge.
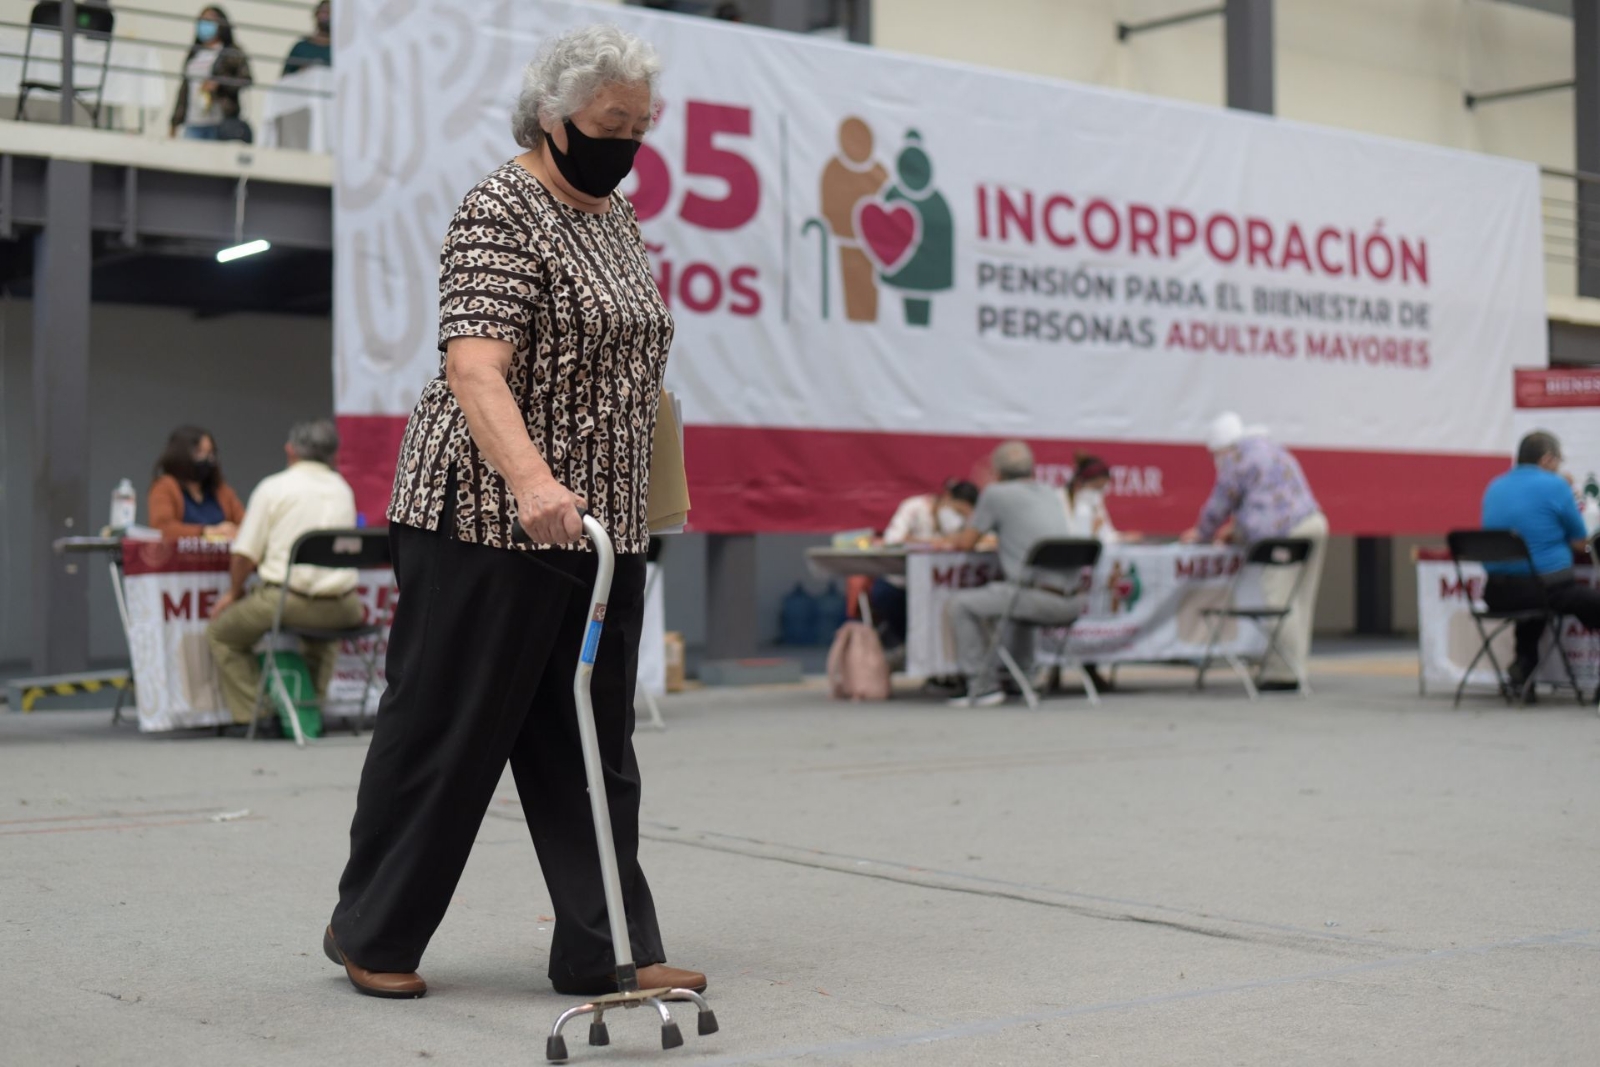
(249, 248)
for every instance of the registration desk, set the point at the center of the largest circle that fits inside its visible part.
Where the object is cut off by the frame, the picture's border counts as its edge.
(1144, 601)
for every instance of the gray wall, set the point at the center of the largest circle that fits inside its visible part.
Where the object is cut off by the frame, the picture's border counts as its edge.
(244, 377)
(780, 562)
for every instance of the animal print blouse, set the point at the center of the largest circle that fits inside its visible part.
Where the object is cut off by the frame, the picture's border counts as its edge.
(573, 294)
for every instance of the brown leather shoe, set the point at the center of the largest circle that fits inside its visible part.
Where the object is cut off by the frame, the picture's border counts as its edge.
(655, 976)
(660, 976)
(388, 984)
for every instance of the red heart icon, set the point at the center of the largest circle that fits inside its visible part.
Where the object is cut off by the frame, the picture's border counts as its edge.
(891, 232)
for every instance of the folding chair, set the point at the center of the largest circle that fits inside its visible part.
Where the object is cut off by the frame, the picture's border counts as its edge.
(365, 548)
(94, 23)
(1594, 560)
(1504, 546)
(1063, 566)
(1260, 558)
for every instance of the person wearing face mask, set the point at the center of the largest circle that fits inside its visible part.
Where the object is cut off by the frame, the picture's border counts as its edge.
(1537, 502)
(188, 497)
(1086, 500)
(316, 50)
(215, 69)
(1088, 517)
(932, 518)
(927, 519)
(543, 260)
(1262, 493)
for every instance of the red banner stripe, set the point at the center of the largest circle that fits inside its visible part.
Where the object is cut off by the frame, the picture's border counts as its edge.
(1558, 388)
(749, 480)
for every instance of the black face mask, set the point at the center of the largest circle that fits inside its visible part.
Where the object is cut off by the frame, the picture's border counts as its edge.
(594, 165)
(204, 469)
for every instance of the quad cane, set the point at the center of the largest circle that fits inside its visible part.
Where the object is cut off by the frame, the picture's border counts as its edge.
(628, 994)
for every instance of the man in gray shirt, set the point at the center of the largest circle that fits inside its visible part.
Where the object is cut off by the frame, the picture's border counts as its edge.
(1020, 512)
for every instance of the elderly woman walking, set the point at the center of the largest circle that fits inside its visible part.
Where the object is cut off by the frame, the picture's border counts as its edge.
(553, 343)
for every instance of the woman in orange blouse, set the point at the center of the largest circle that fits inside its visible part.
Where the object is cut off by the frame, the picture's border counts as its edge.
(189, 497)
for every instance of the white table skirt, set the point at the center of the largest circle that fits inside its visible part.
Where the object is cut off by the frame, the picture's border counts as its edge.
(1145, 605)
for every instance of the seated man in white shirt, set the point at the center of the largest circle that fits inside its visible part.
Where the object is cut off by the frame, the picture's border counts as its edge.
(932, 518)
(929, 519)
(309, 495)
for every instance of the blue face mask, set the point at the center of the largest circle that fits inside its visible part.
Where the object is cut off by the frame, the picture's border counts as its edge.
(205, 31)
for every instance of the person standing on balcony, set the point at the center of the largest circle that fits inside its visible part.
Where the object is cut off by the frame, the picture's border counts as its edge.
(316, 50)
(207, 108)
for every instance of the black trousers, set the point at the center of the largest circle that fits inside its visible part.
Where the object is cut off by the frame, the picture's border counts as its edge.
(889, 610)
(481, 660)
(1514, 593)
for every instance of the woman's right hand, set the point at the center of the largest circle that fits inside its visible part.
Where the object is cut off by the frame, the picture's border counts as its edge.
(225, 530)
(548, 511)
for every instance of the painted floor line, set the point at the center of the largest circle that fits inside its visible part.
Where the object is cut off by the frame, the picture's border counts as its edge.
(120, 826)
(915, 875)
(107, 817)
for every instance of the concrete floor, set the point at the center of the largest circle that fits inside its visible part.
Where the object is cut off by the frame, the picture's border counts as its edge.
(1365, 877)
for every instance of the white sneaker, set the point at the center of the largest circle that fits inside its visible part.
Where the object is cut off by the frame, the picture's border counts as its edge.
(990, 698)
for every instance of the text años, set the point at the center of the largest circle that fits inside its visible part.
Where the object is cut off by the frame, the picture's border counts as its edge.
(703, 288)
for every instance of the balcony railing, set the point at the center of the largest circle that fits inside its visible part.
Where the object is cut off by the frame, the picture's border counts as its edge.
(128, 79)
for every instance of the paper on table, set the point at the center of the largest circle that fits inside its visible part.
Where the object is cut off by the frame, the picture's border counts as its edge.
(668, 505)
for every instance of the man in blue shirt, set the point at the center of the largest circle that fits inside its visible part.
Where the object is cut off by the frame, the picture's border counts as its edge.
(1537, 502)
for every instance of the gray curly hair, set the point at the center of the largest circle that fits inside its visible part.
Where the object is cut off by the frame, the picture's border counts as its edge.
(570, 69)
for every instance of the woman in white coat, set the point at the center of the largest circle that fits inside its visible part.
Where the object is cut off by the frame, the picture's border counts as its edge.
(1087, 516)
(1086, 501)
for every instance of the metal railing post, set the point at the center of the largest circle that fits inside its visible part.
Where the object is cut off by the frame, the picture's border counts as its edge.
(69, 37)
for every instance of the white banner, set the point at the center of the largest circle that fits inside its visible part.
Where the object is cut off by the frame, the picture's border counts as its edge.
(1145, 605)
(856, 242)
(1449, 637)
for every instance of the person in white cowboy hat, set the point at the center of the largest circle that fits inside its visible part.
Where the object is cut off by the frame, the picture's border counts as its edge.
(1261, 487)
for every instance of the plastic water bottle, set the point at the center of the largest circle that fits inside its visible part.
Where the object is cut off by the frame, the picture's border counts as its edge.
(797, 617)
(124, 505)
(831, 613)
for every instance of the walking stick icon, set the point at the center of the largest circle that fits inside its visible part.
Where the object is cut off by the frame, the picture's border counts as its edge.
(822, 229)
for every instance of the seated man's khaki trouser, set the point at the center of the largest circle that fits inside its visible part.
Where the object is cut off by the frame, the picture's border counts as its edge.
(975, 612)
(234, 634)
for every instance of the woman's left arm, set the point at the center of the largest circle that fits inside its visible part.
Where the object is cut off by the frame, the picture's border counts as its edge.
(232, 506)
(1107, 533)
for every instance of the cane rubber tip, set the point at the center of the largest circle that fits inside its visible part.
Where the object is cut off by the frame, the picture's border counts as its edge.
(598, 1034)
(671, 1036)
(708, 1022)
(555, 1048)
